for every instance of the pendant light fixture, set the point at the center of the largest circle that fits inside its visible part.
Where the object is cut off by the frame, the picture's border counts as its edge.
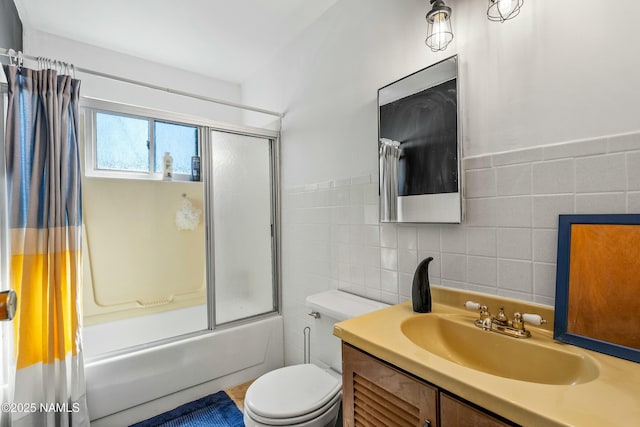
(439, 33)
(503, 10)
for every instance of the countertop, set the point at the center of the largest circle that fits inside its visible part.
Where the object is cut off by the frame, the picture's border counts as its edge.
(612, 399)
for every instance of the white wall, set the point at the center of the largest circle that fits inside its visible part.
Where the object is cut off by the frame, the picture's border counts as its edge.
(82, 55)
(326, 83)
(556, 73)
(559, 71)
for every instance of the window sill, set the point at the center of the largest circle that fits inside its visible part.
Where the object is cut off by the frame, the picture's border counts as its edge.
(156, 177)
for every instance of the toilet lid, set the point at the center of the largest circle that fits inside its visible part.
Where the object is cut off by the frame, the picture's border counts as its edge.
(291, 391)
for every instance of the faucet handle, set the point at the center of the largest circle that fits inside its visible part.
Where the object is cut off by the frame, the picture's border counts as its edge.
(517, 322)
(533, 319)
(472, 305)
(484, 311)
(501, 318)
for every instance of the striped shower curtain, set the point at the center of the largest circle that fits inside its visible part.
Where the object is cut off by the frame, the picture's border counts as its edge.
(45, 219)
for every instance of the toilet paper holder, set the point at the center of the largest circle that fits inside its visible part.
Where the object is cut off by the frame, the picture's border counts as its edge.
(8, 304)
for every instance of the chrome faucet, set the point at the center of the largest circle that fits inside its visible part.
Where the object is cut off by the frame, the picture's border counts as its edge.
(501, 324)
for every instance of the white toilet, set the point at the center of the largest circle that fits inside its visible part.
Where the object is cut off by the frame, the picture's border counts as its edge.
(308, 395)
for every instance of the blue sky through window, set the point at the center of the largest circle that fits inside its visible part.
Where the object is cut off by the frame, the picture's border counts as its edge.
(121, 143)
(180, 141)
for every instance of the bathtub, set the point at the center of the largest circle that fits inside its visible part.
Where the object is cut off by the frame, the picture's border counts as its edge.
(205, 363)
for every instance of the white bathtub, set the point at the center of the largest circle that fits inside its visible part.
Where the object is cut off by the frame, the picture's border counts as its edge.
(236, 354)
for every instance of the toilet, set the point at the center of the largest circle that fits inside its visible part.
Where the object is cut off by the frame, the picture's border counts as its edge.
(308, 395)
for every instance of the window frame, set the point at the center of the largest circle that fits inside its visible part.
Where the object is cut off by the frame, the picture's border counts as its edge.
(89, 110)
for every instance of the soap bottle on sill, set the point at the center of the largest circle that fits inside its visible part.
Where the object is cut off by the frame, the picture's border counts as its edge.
(167, 167)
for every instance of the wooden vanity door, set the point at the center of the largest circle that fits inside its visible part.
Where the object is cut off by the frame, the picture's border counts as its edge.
(375, 394)
(455, 413)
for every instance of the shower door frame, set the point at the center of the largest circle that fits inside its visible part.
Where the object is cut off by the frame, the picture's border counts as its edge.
(274, 172)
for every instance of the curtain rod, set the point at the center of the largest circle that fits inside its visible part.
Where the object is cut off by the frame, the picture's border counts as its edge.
(8, 53)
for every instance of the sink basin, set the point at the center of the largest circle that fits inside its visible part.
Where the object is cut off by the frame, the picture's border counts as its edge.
(458, 340)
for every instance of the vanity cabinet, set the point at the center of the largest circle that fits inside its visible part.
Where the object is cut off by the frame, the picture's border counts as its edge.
(378, 394)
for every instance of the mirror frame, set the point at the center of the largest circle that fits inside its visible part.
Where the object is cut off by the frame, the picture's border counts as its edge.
(420, 208)
(561, 315)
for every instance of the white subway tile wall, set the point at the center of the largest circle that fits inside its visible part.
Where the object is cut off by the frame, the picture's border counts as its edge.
(554, 177)
(514, 180)
(601, 173)
(332, 238)
(517, 156)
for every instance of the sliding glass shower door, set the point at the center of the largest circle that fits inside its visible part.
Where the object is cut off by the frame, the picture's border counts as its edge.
(243, 226)
(169, 258)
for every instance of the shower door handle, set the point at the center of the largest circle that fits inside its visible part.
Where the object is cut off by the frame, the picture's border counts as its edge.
(8, 303)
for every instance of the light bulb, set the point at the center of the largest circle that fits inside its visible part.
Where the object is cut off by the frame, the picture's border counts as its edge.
(503, 10)
(439, 29)
(505, 7)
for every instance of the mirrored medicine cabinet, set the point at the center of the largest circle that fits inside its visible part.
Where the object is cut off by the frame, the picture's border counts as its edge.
(419, 146)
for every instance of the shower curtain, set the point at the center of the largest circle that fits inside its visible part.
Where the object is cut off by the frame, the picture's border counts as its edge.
(45, 220)
(388, 155)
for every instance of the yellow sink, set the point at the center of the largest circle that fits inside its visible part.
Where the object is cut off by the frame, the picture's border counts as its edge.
(458, 340)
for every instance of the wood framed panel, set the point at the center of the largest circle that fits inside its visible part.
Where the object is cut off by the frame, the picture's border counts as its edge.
(598, 283)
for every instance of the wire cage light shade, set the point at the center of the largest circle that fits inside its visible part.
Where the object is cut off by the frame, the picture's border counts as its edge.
(503, 10)
(439, 33)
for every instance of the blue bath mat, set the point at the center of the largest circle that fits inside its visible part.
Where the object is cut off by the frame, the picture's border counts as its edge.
(215, 410)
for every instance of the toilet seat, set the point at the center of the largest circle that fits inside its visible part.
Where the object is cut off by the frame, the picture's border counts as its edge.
(292, 395)
(314, 418)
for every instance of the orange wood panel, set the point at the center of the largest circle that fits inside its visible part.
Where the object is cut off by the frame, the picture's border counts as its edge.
(604, 283)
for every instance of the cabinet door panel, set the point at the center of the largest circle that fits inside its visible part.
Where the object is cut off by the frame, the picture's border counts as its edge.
(375, 394)
(454, 413)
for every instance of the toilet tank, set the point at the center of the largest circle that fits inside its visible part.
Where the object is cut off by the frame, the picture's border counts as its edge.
(334, 306)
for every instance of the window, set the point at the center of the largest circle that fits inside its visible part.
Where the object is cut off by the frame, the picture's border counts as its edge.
(179, 140)
(131, 146)
(122, 143)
